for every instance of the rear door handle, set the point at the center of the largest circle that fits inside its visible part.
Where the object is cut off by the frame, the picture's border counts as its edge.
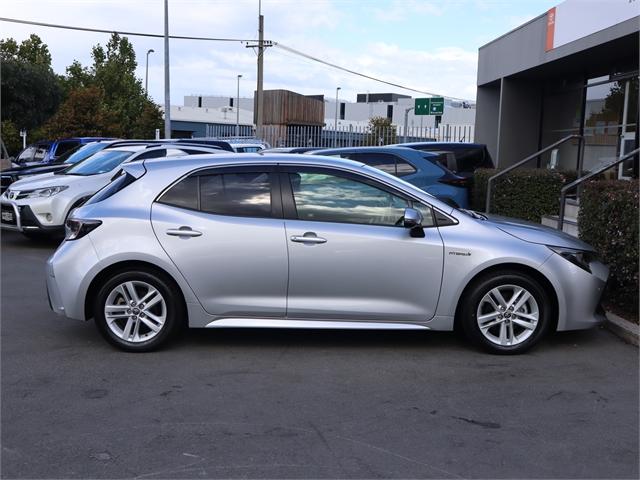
(308, 237)
(183, 232)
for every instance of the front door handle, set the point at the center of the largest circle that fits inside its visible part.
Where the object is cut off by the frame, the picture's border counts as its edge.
(308, 237)
(183, 232)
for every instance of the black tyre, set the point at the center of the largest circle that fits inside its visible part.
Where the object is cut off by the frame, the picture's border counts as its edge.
(506, 312)
(136, 311)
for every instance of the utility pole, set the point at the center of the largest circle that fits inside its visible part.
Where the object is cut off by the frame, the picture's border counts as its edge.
(406, 117)
(167, 99)
(238, 108)
(146, 75)
(262, 45)
(259, 102)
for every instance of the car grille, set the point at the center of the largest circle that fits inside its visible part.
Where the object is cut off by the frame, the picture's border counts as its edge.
(8, 215)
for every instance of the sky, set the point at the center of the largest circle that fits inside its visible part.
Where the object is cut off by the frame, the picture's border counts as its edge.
(429, 45)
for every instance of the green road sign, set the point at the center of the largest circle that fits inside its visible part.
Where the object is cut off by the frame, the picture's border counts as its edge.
(429, 106)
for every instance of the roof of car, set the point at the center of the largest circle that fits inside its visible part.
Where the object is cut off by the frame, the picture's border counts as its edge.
(381, 149)
(252, 158)
(441, 144)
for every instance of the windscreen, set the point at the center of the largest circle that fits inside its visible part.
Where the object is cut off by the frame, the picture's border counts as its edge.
(85, 151)
(102, 162)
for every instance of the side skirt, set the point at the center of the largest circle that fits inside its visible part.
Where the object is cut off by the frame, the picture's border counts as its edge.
(316, 324)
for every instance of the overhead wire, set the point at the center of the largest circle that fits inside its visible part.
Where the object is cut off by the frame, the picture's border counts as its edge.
(239, 40)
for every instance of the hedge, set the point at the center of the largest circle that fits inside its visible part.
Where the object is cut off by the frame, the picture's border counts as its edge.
(608, 220)
(528, 194)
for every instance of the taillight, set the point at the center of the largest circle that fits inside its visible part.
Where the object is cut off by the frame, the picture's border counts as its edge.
(76, 228)
(456, 180)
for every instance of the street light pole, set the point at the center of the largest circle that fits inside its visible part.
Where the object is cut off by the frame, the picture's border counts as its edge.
(238, 108)
(167, 99)
(335, 134)
(146, 75)
(406, 117)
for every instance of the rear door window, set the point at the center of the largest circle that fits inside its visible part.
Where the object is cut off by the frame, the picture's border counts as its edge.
(386, 162)
(239, 194)
(236, 194)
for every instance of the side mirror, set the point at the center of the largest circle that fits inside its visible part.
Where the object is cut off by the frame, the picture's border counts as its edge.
(412, 218)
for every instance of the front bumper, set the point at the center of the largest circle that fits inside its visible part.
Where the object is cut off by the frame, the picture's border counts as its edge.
(579, 292)
(20, 218)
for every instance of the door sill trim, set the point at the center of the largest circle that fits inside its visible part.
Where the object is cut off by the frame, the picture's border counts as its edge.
(315, 324)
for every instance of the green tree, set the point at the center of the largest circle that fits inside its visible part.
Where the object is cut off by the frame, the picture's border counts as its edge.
(11, 137)
(30, 90)
(381, 132)
(83, 113)
(113, 72)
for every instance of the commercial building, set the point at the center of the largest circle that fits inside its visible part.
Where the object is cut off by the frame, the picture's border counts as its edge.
(572, 70)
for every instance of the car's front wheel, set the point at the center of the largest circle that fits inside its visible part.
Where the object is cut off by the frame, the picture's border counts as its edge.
(506, 313)
(136, 311)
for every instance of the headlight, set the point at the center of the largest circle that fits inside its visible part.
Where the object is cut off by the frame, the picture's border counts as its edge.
(580, 258)
(76, 228)
(42, 192)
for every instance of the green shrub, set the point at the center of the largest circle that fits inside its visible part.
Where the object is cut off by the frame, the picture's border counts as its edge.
(523, 193)
(608, 220)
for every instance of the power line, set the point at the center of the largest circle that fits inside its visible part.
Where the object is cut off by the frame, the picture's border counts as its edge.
(240, 40)
(353, 72)
(133, 34)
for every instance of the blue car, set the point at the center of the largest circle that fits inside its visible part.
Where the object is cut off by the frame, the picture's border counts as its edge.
(47, 151)
(425, 170)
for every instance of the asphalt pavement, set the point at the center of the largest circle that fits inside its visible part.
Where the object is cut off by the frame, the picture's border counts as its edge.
(302, 404)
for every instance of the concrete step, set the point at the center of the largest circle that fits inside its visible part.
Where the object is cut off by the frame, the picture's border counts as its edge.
(571, 208)
(570, 225)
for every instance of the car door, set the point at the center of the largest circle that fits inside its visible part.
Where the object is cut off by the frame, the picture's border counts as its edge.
(349, 256)
(223, 229)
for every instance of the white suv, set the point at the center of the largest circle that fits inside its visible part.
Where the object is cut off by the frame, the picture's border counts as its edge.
(41, 204)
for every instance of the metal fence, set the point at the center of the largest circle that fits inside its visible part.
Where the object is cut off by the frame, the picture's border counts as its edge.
(353, 136)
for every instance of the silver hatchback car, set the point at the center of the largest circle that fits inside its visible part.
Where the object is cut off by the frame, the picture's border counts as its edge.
(297, 241)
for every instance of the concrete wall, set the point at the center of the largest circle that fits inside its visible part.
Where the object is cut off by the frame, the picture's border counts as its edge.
(524, 48)
(487, 117)
(521, 102)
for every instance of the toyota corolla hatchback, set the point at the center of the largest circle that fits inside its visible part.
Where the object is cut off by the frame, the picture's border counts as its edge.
(291, 241)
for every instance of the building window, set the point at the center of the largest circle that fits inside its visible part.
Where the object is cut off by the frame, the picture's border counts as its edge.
(199, 102)
(390, 112)
(342, 109)
(231, 101)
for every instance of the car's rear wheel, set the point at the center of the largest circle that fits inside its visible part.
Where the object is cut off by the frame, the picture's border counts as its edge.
(506, 313)
(136, 311)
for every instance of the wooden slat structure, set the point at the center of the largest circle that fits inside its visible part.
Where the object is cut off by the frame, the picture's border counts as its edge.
(285, 108)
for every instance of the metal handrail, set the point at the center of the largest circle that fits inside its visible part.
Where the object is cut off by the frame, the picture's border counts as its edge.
(566, 188)
(531, 157)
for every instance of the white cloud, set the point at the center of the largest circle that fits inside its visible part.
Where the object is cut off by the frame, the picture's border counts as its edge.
(211, 68)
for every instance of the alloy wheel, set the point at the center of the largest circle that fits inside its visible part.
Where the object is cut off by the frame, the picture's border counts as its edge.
(508, 315)
(135, 311)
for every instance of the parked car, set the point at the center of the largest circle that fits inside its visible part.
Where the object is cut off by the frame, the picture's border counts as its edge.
(48, 151)
(71, 157)
(40, 205)
(211, 142)
(310, 242)
(248, 147)
(292, 149)
(422, 169)
(468, 156)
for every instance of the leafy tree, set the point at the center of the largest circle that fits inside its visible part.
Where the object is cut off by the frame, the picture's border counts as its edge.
(11, 137)
(84, 113)
(381, 132)
(30, 90)
(113, 72)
